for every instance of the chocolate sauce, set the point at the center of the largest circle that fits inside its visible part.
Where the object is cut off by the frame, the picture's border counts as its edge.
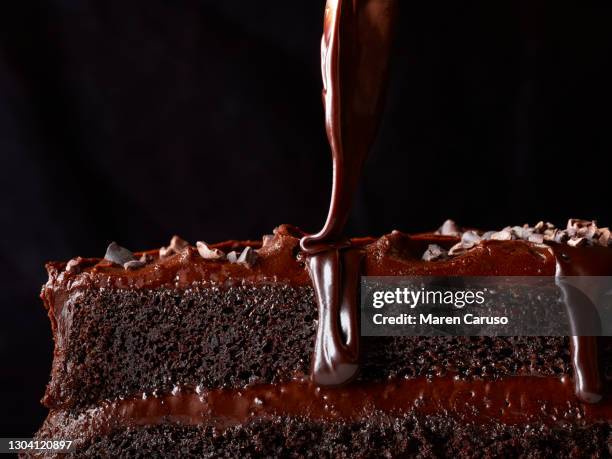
(355, 52)
(580, 263)
(335, 278)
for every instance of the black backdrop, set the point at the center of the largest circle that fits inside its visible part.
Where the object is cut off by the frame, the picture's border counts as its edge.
(132, 121)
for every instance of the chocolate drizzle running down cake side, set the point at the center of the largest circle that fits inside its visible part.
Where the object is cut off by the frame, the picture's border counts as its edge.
(354, 59)
(581, 251)
(583, 261)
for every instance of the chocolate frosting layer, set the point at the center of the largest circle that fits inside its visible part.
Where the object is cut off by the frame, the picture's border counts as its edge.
(280, 260)
(512, 400)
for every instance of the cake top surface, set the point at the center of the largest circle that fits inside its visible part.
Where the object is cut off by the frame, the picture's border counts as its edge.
(449, 251)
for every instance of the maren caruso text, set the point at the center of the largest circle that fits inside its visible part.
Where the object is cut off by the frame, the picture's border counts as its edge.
(430, 319)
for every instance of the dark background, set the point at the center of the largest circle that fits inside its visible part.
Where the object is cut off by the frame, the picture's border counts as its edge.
(132, 121)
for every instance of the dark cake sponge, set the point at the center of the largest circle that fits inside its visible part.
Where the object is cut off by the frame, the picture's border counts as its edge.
(377, 436)
(126, 342)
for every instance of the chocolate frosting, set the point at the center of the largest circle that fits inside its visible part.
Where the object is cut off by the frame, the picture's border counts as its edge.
(512, 400)
(279, 260)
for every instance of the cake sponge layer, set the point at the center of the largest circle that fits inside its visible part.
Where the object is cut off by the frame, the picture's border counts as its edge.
(113, 343)
(377, 436)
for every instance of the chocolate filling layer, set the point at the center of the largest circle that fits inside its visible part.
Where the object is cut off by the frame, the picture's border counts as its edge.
(512, 400)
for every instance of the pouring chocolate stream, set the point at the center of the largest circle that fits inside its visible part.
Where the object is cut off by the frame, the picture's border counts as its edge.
(355, 53)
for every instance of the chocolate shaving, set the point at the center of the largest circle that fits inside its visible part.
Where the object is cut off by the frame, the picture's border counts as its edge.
(267, 239)
(542, 227)
(207, 253)
(590, 232)
(536, 238)
(550, 234)
(457, 249)
(470, 237)
(487, 236)
(578, 233)
(503, 235)
(521, 232)
(577, 241)
(435, 252)
(118, 255)
(561, 236)
(176, 245)
(587, 230)
(146, 258)
(124, 257)
(469, 240)
(449, 228)
(73, 265)
(248, 257)
(134, 264)
(581, 228)
(605, 237)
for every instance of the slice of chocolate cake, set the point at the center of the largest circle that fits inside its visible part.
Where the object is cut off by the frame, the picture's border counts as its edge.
(206, 351)
(249, 349)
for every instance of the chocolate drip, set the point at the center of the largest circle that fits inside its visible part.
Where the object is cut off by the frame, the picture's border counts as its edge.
(354, 55)
(335, 277)
(580, 293)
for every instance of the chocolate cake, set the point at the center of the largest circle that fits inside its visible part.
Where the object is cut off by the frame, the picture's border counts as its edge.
(253, 349)
(206, 351)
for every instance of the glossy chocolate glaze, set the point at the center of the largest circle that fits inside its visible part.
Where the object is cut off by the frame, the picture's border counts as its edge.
(335, 275)
(573, 261)
(355, 51)
(279, 260)
(512, 400)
